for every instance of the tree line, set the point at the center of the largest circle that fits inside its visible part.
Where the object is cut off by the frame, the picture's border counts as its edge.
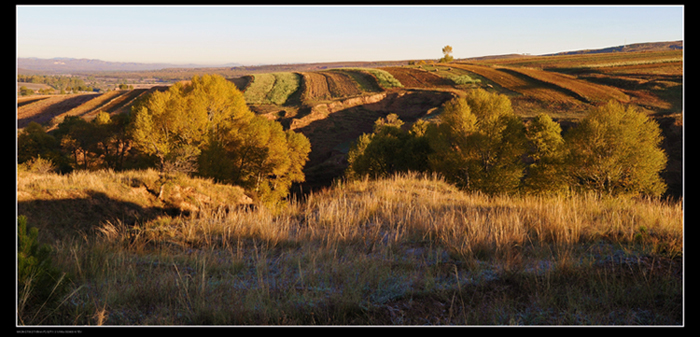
(61, 83)
(203, 128)
(479, 144)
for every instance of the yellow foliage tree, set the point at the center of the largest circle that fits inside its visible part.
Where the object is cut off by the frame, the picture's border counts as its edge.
(616, 150)
(207, 122)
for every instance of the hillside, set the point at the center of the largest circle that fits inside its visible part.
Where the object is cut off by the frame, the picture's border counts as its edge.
(137, 248)
(408, 250)
(333, 103)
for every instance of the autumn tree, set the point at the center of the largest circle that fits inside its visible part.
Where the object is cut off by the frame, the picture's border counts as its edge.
(447, 52)
(34, 142)
(206, 127)
(479, 143)
(389, 149)
(111, 141)
(547, 151)
(616, 150)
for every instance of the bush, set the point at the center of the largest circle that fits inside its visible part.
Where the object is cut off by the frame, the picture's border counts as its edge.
(479, 143)
(464, 79)
(38, 281)
(616, 150)
(38, 165)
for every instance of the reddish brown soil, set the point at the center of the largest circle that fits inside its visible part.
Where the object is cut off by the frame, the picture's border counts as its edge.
(415, 78)
(315, 87)
(341, 85)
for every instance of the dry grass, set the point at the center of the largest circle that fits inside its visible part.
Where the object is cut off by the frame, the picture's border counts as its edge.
(409, 250)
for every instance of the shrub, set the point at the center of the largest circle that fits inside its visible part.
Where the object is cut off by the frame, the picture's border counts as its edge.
(38, 281)
(464, 79)
(38, 165)
(616, 150)
(479, 143)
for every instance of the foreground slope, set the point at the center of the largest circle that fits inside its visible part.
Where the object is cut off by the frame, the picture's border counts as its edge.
(407, 250)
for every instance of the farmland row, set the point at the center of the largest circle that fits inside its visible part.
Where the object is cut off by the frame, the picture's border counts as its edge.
(583, 90)
(520, 85)
(45, 110)
(588, 61)
(95, 104)
(271, 88)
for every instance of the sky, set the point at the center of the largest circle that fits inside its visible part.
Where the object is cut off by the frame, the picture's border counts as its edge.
(213, 35)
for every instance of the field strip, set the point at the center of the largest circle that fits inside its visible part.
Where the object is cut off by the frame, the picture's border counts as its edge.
(589, 92)
(384, 79)
(22, 101)
(258, 88)
(341, 84)
(415, 78)
(315, 87)
(519, 84)
(94, 104)
(122, 100)
(286, 83)
(45, 110)
(365, 80)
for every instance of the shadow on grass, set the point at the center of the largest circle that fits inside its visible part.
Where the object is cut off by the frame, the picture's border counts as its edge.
(72, 216)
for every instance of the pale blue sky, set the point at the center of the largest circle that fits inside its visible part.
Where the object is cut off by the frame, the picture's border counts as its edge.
(303, 34)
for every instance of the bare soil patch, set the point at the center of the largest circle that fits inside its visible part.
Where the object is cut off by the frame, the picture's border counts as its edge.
(315, 87)
(415, 78)
(341, 84)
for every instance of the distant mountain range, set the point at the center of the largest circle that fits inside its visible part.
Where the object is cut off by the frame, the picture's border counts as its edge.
(66, 65)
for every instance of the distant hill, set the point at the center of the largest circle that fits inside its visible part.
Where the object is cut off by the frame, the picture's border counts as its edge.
(636, 47)
(63, 65)
(34, 65)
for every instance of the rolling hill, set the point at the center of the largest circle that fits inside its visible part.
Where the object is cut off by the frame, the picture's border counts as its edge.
(332, 104)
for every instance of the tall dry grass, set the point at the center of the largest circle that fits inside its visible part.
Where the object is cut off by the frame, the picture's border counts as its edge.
(410, 249)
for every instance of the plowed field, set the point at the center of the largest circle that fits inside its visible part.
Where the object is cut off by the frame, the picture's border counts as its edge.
(415, 78)
(341, 84)
(43, 111)
(521, 84)
(122, 101)
(94, 104)
(581, 89)
(315, 87)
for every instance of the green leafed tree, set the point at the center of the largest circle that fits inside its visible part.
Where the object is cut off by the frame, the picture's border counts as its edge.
(546, 172)
(258, 156)
(33, 142)
(479, 143)
(206, 126)
(616, 150)
(389, 149)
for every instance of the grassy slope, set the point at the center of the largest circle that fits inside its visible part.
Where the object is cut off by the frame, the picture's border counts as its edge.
(406, 250)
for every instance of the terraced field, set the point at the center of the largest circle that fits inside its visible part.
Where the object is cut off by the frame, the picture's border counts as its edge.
(44, 110)
(332, 106)
(417, 78)
(581, 89)
(515, 84)
(272, 88)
